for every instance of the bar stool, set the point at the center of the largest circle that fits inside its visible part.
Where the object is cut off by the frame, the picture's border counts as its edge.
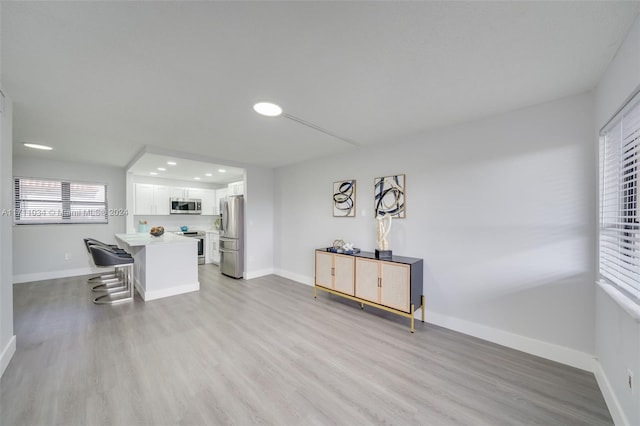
(112, 282)
(123, 265)
(104, 278)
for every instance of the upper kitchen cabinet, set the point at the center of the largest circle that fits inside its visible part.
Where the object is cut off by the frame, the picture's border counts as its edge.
(236, 188)
(208, 197)
(156, 199)
(151, 199)
(220, 194)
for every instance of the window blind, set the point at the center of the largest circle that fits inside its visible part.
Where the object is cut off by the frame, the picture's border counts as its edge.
(619, 250)
(45, 201)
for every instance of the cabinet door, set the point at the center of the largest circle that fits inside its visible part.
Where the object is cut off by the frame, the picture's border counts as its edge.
(177, 192)
(143, 196)
(367, 279)
(208, 201)
(208, 244)
(194, 193)
(396, 285)
(343, 269)
(220, 194)
(236, 188)
(324, 267)
(215, 254)
(161, 200)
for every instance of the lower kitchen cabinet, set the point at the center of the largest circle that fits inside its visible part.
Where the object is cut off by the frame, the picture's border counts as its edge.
(212, 253)
(393, 285)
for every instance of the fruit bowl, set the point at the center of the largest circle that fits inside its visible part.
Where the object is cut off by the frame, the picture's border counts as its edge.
(156, 231)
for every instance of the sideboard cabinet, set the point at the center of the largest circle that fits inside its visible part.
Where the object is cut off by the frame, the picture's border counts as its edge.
(394, 285)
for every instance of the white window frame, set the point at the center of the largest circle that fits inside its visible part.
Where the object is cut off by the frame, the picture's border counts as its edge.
(619, 212)
(61, 203)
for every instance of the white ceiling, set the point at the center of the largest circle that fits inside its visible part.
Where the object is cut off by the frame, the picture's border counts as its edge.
(184, 169)
(99, 81)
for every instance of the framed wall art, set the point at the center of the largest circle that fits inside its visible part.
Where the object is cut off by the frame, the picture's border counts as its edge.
(390, 196)
(344, 198)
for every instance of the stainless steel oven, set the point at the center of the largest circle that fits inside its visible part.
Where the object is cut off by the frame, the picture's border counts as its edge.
(201, 246)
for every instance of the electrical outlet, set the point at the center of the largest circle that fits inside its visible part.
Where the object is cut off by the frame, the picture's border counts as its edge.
(67, 256)
(630, 380)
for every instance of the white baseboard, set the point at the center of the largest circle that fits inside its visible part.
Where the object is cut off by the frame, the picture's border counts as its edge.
(7, 354)
(173, 291)
(256, 274)
(619, 418)
(63, 273)
(551, 351)
(295, 277)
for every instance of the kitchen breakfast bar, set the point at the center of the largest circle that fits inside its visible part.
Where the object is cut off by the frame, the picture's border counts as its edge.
(163, 266)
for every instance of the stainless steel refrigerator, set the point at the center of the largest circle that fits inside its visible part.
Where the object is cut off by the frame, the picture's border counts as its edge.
(232, 236)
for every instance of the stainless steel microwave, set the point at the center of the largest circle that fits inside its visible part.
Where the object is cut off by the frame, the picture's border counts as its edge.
(186, 206)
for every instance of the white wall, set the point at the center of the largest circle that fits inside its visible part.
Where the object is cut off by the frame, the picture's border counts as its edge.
(7, 338)
(39, 250)
(259, 210)
(617, 336)
(499, 209)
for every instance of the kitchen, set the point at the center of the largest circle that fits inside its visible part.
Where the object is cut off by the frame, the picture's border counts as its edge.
(184, 197)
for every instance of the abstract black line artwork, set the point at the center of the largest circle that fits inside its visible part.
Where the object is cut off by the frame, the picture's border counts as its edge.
(389, 196)
(344, 198)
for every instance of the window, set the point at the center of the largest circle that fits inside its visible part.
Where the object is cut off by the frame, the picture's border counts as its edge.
(44, 201)
(619, 224)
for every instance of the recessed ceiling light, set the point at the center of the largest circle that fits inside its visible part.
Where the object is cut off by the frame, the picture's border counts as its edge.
(222, 170)
(36, 146)
(268, 109)
(153, 173)
(171, 163)
(196, 178)
(162, 169)
(208, 174)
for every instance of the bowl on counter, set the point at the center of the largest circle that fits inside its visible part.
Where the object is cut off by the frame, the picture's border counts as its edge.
(156, 231)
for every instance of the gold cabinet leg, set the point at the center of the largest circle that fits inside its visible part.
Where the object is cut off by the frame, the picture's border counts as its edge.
(314, 292)
(362, 306)
(422, 306)
(413, 329)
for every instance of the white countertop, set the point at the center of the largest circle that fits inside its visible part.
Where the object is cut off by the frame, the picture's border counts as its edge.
(145, 239)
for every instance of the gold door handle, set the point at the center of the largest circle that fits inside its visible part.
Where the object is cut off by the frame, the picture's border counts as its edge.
(379, 282)
(333, 272)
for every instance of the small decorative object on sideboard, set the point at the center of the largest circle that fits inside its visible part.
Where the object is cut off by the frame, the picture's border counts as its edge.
(156, 231)
(142, 226)
(383, 227)
(339, 246)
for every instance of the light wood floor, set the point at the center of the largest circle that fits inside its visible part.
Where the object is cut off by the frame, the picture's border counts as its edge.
(265, 351)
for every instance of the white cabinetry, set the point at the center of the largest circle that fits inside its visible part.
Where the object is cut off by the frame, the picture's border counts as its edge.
(212, 254)
(208, 197)
(236, 188)
(220, 194)
(154, 199)
(151, 199)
